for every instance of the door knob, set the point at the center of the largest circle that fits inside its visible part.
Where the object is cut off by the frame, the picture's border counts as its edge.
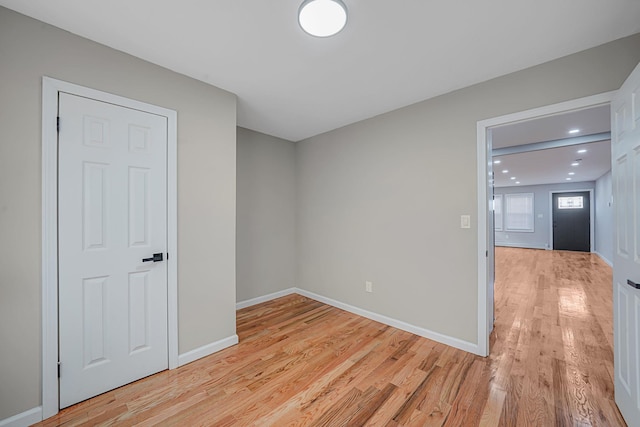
(155, 258)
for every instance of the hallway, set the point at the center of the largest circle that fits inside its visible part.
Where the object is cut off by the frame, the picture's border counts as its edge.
(552, 346)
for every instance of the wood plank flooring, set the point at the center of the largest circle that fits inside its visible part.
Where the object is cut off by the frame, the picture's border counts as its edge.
(303, 363)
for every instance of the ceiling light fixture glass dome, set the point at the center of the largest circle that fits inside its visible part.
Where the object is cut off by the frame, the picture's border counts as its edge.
(322, 18)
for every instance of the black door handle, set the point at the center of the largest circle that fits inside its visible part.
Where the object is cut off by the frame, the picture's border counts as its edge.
(156, 257)
(634, 284)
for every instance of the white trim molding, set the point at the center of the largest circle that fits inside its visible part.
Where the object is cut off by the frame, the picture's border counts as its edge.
(172, 237)
(484, 226)
(264, 298)
(520, 245)
(485, 255)
(207, 350)
(603, 258)
(23, 419)
(50, 89)
(426, 333)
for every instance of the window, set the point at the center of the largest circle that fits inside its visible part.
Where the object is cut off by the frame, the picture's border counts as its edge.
(497, 212)
(518, 214)
(572, 202)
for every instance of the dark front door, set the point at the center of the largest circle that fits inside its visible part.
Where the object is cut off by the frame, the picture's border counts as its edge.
(571, 221)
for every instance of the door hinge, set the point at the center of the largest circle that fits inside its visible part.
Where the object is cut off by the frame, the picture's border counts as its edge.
(167, 255)
(57, 124)
(486, 254)
(58, 369)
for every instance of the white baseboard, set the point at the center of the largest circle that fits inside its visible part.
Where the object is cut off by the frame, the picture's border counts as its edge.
(426, 333)
(264, 298)
(602, 257)
(520, 245)
(206, 350)
(24, 419)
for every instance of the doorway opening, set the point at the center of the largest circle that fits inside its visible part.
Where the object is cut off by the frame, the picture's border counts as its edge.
(491, 172)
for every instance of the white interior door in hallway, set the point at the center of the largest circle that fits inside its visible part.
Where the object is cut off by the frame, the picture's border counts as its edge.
(112, 199)
(625, 156)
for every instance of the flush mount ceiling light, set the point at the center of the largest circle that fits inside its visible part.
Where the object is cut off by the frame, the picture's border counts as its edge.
(322, 18)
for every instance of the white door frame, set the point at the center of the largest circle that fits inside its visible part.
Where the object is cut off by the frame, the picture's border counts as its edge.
(50, 89)
(592, 219)
(484, 156)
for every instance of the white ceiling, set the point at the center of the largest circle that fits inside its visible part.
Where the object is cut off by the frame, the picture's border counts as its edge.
(553, 166)
(589, 121)
(391, 54)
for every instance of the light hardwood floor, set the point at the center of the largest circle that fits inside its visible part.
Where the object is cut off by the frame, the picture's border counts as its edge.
(300, 362)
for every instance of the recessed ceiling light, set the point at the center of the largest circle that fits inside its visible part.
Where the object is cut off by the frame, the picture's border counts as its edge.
(505, 171)
(497, 162)
(568, 179)
(322, 18)
(517, 182)
(584, 150)
(513, 177)
(572, 131)
(575, 164)
(572, 173)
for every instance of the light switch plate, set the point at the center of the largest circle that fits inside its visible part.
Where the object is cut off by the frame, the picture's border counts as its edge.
(465, 221)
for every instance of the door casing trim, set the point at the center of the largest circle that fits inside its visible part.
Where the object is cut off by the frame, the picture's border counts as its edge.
(50, 89)
(484, 225)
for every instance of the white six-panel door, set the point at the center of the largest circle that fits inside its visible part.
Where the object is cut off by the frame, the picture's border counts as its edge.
(625, 150)
(112, 214)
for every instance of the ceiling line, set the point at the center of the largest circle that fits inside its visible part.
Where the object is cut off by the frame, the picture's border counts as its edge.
(555, 143)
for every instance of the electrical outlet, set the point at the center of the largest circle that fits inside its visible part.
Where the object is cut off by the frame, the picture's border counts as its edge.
(368, 286)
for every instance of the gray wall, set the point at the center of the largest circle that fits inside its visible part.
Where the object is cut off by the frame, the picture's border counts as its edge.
(265, 240)
(206, 189)
(604, 217)
(540, 238)
(381, 199)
